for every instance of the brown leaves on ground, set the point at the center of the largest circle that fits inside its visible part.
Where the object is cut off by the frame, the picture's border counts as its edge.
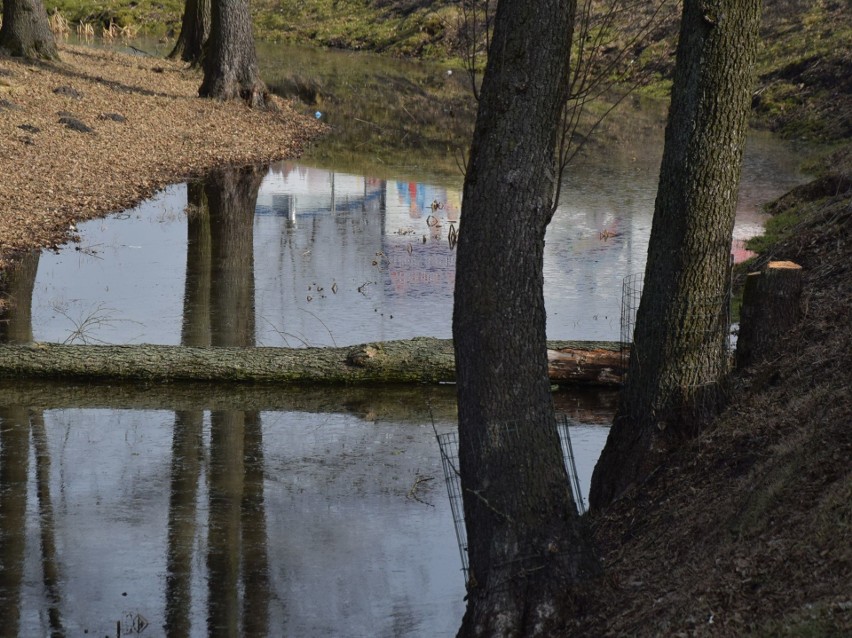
(149, 129)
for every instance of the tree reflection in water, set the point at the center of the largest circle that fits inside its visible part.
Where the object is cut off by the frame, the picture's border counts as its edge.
(219, 311)
(19, 426)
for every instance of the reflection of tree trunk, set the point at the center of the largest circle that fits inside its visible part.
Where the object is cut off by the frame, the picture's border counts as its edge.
(223, 537)
(187, 433)
(186, 450)
(14, 458)
(232, 197)
(196, 298)
(255, 558)
(50, 564)
(16, 287)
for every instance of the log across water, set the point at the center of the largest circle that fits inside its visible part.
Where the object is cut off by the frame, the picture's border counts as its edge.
(419, 360)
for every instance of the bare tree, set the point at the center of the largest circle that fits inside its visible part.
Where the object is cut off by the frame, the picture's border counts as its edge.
(26, 30)
(526, 542)
(678, 353)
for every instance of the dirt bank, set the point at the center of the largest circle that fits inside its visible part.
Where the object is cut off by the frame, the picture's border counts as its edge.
(101, 130)
(748, 531)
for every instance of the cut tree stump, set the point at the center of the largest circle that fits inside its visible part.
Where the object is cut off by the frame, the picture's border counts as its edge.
(770, 309)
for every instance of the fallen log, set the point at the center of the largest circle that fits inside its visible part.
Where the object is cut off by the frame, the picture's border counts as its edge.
(419, 360)
(592, 366)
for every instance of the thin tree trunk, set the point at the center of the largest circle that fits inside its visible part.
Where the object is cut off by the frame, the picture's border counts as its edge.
(526, 544)
(679, 345)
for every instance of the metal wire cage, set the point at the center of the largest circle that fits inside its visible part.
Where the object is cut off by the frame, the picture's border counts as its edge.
(449, 446)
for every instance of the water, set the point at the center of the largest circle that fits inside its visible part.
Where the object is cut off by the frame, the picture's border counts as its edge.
(287, 517)
(339, 259)
(261, 511)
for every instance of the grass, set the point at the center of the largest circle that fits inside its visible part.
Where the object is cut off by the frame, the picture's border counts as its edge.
(149, 17)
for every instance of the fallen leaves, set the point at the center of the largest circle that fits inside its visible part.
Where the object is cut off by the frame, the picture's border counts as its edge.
(50, 174)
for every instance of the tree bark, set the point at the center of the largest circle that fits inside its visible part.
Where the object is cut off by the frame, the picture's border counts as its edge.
(527, 546)
(770, 309)
(26, 31)
(16, 290)
(679, 345)
(194, 31)
(230, 62)
(421, 360)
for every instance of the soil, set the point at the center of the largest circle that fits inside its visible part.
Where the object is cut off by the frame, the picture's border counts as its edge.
(99, 131)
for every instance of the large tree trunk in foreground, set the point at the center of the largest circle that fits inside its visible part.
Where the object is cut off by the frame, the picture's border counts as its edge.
(422, 360)
(230, 63)
(526, 543)
(26, 31)
(194, 31)
(679, 344)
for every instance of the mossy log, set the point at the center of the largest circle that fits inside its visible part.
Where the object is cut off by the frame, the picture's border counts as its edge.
(420, 360)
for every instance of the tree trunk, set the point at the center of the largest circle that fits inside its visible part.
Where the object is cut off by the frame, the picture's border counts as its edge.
(26, 31)
(194, 31)
(526, 543)
(230, 62)
(16, 290)
(770, 309)
(679, 345)
(421, 360)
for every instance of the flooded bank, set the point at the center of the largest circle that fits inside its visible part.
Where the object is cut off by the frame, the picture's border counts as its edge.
(255, 511)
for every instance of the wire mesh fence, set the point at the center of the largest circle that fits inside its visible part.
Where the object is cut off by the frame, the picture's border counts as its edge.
(449, 446)
(631, 295)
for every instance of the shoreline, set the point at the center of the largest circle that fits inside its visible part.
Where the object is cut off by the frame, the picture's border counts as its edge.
(148, 129)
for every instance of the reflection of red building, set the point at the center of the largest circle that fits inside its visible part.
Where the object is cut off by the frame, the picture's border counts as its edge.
(740, 252)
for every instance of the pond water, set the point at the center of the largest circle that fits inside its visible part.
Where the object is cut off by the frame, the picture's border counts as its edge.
(255, 512)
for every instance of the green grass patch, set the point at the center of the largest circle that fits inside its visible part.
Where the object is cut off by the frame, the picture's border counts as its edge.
(777, 228)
